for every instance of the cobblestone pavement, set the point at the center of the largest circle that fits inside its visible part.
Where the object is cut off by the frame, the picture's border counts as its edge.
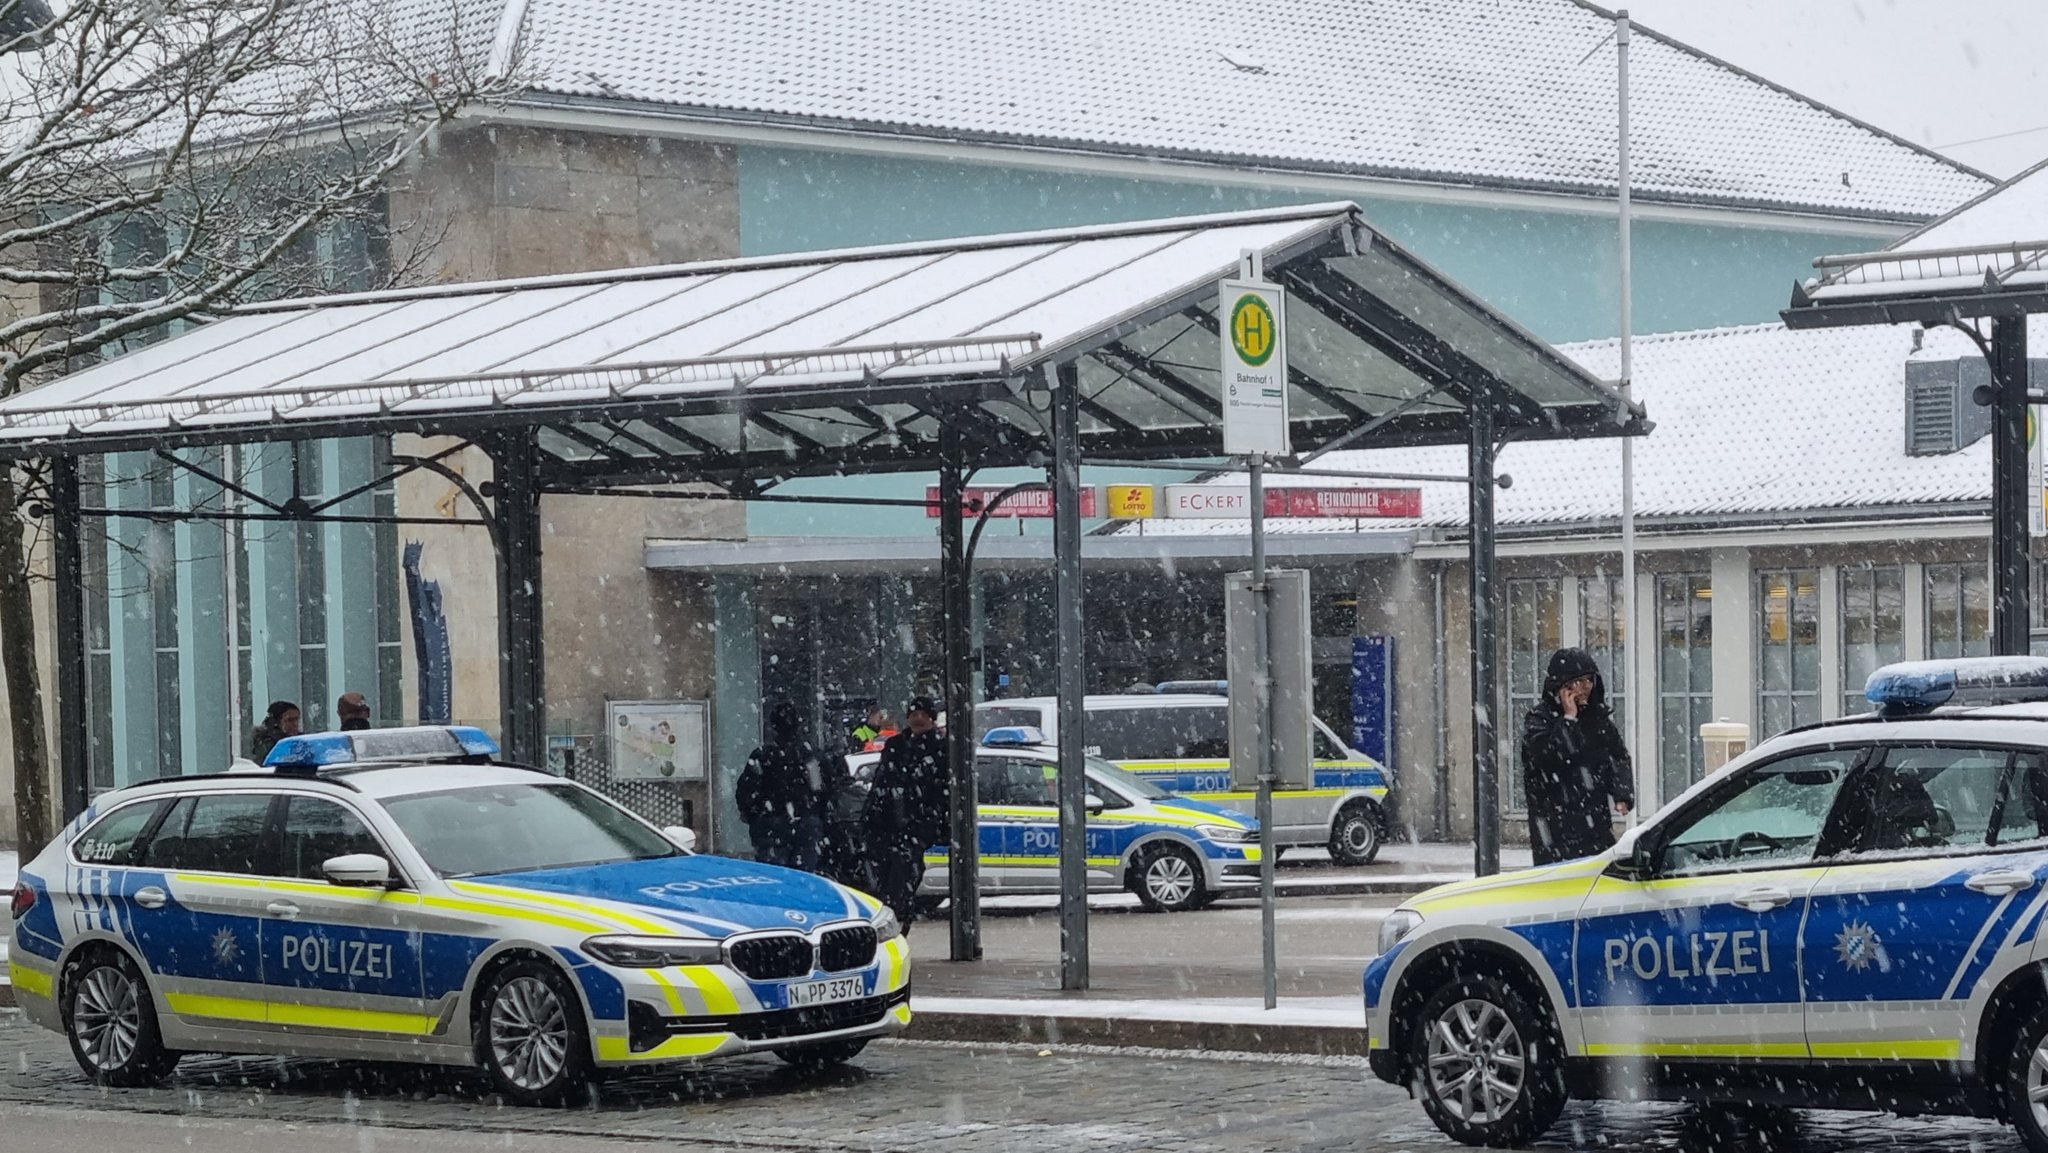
(914, 1097)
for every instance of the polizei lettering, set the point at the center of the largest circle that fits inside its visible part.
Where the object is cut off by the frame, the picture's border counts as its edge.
(682, 888)
(1735, 954)
(338, 958)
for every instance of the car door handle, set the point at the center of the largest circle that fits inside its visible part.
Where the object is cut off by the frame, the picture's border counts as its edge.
(2000, 883)
(151, 898)
(282, 910)
(1762, 900)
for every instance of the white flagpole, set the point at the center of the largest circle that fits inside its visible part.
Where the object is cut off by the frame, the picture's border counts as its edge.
(1634, 682)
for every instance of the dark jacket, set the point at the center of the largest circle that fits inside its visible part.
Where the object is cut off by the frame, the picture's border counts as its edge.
(776, 786)
(1573, 770)
(910, 804)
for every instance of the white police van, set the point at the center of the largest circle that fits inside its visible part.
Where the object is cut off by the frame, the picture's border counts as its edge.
(1849, 916)
(1179, 740)
(398, 895)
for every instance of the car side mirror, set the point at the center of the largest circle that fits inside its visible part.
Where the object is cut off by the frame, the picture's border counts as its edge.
(358, 871)
(1633, 865)
(684, 837)
(1094, 804)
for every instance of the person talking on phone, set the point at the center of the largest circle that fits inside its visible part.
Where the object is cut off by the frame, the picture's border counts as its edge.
(1576, 771)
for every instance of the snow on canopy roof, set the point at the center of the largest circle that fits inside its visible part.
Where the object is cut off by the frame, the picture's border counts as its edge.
(1499, 93)
(1751, 421)
(1997, 243)
(827, 338)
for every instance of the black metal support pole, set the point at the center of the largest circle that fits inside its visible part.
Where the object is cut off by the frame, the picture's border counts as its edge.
(67, 566)
(1485, 671)
(964, 862)
(1073, 782)
(515, 500)
(2009, 529)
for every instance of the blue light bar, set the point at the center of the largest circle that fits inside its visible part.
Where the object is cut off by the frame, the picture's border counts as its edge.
(311, 752)
(1919, 686)
(1014, 736)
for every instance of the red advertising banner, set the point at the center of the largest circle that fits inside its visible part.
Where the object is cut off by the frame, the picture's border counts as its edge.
(1233, 502)
(1029, 503)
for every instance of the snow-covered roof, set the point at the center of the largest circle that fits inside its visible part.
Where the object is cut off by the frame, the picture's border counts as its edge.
(1996, 243)
(1751, 421)
(1500, 93)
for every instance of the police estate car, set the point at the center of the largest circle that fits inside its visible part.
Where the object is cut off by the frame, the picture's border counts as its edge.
(397, 895)
(1173, 852)
(1850, 916)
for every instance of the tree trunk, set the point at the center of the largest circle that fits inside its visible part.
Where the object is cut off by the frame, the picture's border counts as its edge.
(24, 676)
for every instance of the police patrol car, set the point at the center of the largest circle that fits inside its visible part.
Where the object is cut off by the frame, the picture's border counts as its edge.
(398, 895)
(1174, 852)
(1179, 740)
(1849, 916)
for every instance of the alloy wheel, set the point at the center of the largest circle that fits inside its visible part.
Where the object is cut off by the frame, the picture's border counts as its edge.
(107, 1017)
(1477, 1062)
(1170, 878)
(2037, 1084)
(529, 1033)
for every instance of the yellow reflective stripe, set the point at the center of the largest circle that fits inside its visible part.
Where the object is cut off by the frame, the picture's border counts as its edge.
(1252, 852)
(567, 904)
(32, 981)
(902, 1013)
(669, 992)
(1531, 892)
(1235, 796)
(308, 888)
(1891, 1050)
(718, 996)
(895, 965)
(308, 1016)
(675, 1048)
(872, 904)
(1705, 1049)
(513, 912)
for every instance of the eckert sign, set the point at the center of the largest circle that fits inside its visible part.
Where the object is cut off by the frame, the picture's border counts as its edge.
(1035, 502)
(1234, 502)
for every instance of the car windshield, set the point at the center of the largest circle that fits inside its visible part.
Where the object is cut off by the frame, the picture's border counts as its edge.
(1123, 779)
(518, 828)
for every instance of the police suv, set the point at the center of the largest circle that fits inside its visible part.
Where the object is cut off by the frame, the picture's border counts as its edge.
(1179, 740)
(1174, 852)
(1849, 916)
(398, 895)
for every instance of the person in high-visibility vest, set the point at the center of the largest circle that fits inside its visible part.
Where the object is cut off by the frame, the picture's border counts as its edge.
(876, 724)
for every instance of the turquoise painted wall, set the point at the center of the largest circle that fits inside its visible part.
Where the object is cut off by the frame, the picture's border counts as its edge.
(1552, 272)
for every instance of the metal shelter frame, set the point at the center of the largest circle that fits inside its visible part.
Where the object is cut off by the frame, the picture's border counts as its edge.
(1039, 350)
(1963, 288)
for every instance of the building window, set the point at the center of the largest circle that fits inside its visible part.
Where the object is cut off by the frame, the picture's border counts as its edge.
(99, 641)
(390, 696)
(1603, 629)
(160, 558)
(1685, 676)
(1958, 611)
(1873, 627)
(1535, 612)
(1787, 650)
(312, 558)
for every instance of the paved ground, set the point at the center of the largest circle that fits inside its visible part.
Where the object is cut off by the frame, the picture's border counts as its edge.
(910, 1097)
(1323, 945)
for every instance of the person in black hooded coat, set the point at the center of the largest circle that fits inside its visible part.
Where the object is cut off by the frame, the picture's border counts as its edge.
(1576, 771)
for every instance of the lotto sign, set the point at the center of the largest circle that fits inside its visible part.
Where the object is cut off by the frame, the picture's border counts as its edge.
(1254, 368)
(1132, 501)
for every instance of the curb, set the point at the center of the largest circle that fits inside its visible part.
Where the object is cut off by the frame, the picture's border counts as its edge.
(1216, 1036)
(6, 995)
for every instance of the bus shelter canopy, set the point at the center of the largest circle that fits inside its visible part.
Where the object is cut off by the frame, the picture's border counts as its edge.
(745, 372)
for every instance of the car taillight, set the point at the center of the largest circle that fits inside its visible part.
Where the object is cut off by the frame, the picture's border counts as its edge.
(24, 899)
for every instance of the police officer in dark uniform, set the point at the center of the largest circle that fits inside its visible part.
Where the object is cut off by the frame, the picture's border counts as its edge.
(909, 807)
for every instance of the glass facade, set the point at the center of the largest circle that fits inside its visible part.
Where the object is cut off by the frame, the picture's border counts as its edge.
(1787, 650)
(1534, 630)
(1685, 676)
(1958, 610)
(1603, 629)
(1873, 627)
(193, 624)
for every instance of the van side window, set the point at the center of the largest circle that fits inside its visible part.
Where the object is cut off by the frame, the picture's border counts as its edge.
(1197, 732)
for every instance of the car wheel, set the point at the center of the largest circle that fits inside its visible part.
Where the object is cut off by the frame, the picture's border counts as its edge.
(1355, 838)
(110, 1019)
(2026, 1082)
(1488, 1065)
(1169, 880)
(817, 1058)
(530, 1035)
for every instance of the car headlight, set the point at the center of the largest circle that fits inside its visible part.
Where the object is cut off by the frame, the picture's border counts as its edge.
(1230, 834)
(1398, 924)
(630, 952)
(887, 927)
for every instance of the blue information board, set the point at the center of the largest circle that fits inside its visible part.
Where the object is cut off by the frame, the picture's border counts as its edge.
(1372, 697)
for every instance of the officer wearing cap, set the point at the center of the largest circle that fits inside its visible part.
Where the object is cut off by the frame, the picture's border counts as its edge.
(908, 810)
